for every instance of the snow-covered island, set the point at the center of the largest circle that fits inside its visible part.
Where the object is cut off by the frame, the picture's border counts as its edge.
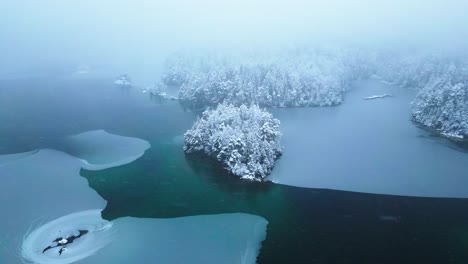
(246, 140)
(123, 80)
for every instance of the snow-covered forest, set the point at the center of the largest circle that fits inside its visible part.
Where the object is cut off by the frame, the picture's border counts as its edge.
(319, 77)
(442, 83)
(235, 134)
(303, 77)
(245, 139)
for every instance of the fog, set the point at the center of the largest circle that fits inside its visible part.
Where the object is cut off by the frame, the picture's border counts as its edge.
(134, 37)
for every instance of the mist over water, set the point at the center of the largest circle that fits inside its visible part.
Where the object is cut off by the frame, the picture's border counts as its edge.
(113, 37)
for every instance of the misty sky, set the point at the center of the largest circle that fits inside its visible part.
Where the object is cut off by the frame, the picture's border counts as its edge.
(134, 36)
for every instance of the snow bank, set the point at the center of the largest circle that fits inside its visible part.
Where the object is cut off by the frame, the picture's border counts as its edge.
(100, 150)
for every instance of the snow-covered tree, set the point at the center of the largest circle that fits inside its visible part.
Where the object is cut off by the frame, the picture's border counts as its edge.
(443, 103)
(246, 140)
(319, 77)
(442, 83)
(289, 79)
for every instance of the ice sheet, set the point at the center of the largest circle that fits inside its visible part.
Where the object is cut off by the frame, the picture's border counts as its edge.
(370, 147)
(51, 215)
(4, 159)
(67, 239)
(36, 189)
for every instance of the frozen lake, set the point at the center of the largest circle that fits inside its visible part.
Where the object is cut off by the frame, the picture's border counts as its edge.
(173, 191)
(368, 146)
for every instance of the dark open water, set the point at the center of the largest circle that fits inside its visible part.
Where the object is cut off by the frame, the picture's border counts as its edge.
(305, 225)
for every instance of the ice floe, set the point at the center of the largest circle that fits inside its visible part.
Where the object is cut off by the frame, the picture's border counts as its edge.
(101, 150)
(36, 189)
(377, 96)
(52, 216)
(82, 69)
(205, 239)
(86, 237)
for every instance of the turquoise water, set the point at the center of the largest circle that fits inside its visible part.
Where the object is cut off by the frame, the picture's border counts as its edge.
(305, 225)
